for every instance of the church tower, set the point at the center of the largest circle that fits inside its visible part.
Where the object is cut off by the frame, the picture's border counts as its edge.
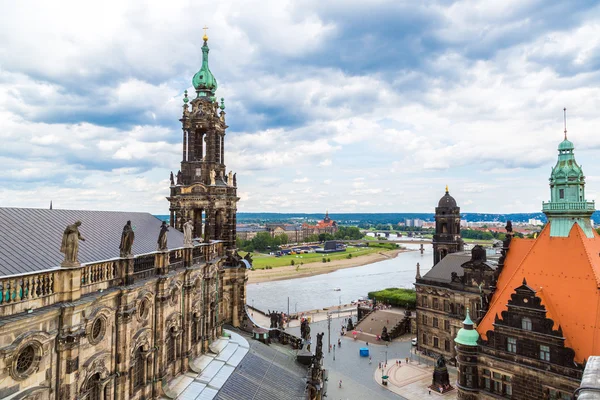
(203, 191)
(447, 238)
(567, 205)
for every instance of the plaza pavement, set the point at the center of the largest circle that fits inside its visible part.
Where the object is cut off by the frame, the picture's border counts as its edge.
(361, 380)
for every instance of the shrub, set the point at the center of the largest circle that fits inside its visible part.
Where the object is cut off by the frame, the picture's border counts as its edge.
(293, 262)
(328, 259)
(396, 297)
(324, 259)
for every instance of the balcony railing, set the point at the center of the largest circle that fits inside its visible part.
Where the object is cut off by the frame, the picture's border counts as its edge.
(36, 288)
(19, 293)
(569, 206)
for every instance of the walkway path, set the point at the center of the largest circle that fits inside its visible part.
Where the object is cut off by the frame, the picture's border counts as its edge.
(373, 325)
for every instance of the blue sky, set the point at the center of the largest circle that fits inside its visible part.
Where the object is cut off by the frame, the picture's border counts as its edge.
(350, 106)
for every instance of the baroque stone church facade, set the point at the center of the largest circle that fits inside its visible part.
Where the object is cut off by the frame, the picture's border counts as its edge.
(119, 326)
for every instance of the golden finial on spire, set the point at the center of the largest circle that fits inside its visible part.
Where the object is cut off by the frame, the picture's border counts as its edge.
(446, 188)
(205, 37)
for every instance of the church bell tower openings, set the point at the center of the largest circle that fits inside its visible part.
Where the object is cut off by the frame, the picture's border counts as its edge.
(203, 191)
(447, 238)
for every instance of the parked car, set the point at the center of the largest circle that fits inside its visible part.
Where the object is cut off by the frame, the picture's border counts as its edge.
(414, 341)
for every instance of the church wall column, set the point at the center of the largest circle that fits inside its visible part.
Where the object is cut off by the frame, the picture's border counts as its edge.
(185, 134)
(222, 149)
(192, 145)
(186, 335)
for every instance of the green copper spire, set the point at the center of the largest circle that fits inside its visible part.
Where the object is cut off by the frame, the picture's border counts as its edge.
(467, 336)
(567, 205)
(204, 81)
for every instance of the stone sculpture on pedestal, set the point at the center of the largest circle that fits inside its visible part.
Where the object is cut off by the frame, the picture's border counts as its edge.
(188, 229)
(70, 245)
(126, 240)
(162, 237)
(441, 379)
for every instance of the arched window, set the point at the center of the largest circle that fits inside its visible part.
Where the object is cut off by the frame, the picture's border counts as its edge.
(194, 330)
(92, 388)
(138, 369)
(171, 345)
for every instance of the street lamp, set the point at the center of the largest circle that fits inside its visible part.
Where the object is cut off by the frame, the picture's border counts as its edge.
(334, 352)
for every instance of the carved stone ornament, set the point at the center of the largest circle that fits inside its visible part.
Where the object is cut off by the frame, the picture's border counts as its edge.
(25, 360)
(96, 329)
(143, 309)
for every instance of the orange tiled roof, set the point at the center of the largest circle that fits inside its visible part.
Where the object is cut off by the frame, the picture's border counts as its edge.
(565, 273)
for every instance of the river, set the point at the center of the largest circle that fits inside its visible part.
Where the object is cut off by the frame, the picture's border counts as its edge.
(318, 291)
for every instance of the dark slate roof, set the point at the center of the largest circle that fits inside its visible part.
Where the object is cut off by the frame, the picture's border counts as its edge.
(442, 271)
(267, 374)
(31, 237)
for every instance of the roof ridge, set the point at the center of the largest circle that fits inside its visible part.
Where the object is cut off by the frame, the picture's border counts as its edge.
(497, 297)
(587, 253)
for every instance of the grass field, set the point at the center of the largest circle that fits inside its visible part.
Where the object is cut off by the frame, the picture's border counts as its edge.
(260, 261)
(478, 241)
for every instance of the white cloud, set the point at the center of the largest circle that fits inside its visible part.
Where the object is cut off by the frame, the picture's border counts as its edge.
(301, 180)
(90, 113)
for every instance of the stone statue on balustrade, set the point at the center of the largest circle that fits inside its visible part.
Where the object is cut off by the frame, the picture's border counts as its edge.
(230, 178)
(179, 177)
(70, 245)
(171, 179)
(213, 175)
(305, 329)
(126, 240)
(188, 229)
(234, 180)
(162, 237)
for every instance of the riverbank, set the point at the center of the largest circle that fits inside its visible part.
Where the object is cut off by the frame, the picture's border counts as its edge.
(292, 272)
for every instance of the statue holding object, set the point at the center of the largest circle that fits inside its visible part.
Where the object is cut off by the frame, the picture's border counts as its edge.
(70, 245)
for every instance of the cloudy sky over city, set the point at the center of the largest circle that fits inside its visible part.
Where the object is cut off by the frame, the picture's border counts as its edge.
(351, 106)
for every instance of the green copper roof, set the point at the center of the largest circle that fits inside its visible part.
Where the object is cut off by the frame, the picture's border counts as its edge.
(567, 205)
(204, 81)
(566, 145)
(467, 336)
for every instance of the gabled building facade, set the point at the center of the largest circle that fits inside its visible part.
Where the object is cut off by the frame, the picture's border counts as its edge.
(542, 320)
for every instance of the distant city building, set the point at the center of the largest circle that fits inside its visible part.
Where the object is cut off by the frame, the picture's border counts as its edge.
(326, 225)
(533, 221)
(295, 233)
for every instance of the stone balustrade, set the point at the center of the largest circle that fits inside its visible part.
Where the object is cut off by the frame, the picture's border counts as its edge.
(26, 292)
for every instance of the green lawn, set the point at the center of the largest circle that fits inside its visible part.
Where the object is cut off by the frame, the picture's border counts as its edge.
(260, 261)
(478, 241)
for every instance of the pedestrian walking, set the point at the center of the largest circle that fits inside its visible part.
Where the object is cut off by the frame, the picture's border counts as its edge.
(369, 360)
